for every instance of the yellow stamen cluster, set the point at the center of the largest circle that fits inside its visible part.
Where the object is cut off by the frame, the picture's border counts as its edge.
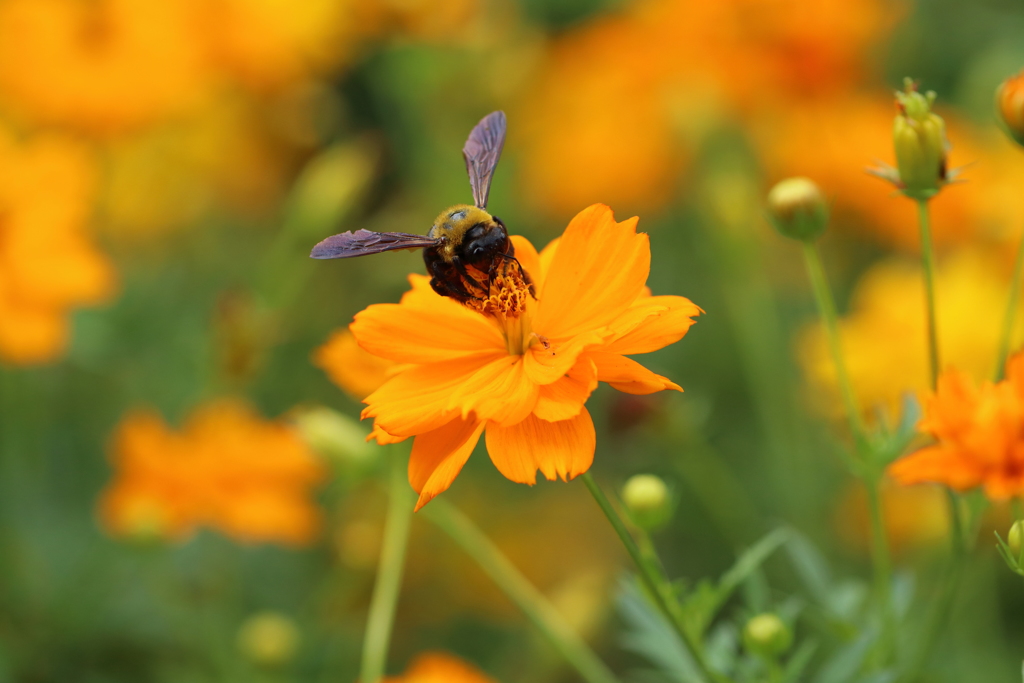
(507, 295)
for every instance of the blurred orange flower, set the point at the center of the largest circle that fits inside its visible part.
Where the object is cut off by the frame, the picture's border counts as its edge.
(358, 372)
(884, 335)
(914, 516)
(979, 433)
(523, 373)
(47, 263)
(227, 469)
(103, 66)
(633, 89)
(440, 667)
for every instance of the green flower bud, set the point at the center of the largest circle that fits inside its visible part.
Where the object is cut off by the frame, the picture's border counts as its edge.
(648, 500)
(332, 434)
(1014, 538)
(767, 636)
(797, 209)
(268, 639)
(919, 137)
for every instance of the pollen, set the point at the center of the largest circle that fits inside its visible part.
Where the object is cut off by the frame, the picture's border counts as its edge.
(507, 294)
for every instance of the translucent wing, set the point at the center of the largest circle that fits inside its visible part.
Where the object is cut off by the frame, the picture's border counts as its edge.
(482, 150)
(363, 242)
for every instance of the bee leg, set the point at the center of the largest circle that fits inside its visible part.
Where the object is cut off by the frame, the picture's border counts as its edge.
(460, 268)
(522, 271)
(444, 282)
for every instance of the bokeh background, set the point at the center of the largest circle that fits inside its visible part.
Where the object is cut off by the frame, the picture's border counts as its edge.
(166, 166)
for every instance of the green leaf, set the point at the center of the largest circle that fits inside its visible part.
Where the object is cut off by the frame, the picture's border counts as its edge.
(847, 662)
(648, 635)
(798, 662)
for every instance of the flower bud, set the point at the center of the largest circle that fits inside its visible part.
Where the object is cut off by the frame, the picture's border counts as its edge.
(268, 638)
(1014, 538)
(648, 501)
(1010, 105)
(332, 434)
(767, 636)
(919, 137)
(797, 209)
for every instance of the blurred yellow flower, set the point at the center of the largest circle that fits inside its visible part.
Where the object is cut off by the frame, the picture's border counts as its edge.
(103, 65)
(627, 90)
(440, 667)
(914, 516)
(357, 371)
(833, 140)
(47, 262)
(227, 469)
(884, 335)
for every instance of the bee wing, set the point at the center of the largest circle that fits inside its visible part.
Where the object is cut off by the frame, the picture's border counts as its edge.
(482, 150)
(363, 242)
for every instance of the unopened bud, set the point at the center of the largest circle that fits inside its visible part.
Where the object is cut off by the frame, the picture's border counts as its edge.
(648, 500)
(1010, 105)
(332, 434)
(767, 636)
(1014, 538)
(798, 209)
(268, 638)
(919, 137)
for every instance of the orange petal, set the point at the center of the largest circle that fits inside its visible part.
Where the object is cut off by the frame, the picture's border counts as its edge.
(549, 361)
(425, 328)
(438, 456)
(564, 399)
(562, 449)
(416, 400)
(598, 270)
(938, 465)
(652, 323)
(499, 391)
(382, 437)
(529, 259)
(628, 376)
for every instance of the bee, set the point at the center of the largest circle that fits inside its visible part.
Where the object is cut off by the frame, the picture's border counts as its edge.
(463, 237)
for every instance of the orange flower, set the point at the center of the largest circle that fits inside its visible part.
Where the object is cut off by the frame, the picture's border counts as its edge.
(47, 263)
(979, 433)
(523, 371)
(358, 372)
(914, 516)
(1010, 103)
(104, 66)
(227, 469)
(440, 667)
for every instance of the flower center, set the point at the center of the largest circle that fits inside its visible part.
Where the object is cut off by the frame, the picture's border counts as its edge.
(508, 294)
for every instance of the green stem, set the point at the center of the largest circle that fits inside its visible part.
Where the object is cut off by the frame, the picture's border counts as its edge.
(1011, 313)
(389, 575)
(871, 475)
(928, 265)
(511, 581)
(653, 579)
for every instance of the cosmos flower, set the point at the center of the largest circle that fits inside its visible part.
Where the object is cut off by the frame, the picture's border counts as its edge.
(979, 433)
(518, 368)
(440, 667)
(227, 469)
(48, 264)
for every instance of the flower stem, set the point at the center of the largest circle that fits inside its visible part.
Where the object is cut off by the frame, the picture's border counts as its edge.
(928, 265)
(653, 580)
(389, 574)
(1011, 313)
(871, 474)
(511, 581)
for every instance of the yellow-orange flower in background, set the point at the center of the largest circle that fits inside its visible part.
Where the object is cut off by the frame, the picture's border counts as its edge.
(914, 516)
(637, 89)
(979, 434)
(440, 667)
(102, 66)
(884, 336)
(1010, 105)
(524, 372)
(227, 469)
(48, 265)
(357, 371)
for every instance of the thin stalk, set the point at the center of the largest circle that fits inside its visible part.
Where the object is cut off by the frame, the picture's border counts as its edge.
(518, 588)
(881, 561)
(389, 575)
(928, 264)
(1011, 313)
(653, 580)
